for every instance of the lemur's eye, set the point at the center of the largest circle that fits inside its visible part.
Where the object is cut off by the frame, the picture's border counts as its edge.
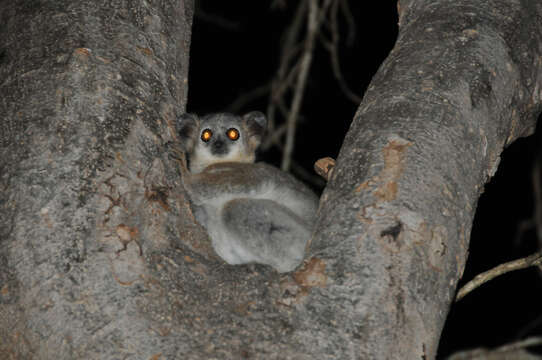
(233, 134)
(206, 135)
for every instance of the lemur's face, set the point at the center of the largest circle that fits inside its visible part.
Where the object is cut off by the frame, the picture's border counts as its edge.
(221, 137)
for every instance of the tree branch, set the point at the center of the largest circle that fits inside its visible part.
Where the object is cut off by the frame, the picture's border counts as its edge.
(532, 260)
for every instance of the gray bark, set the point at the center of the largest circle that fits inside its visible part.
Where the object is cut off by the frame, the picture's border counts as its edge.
(88, 90)
(462, 82)
(100, 256)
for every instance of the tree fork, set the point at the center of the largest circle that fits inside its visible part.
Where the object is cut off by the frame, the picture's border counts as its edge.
(101, 258)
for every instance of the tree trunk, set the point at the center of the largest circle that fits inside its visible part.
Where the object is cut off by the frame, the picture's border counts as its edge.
(100, 257)
(462, 82)
(88, 91)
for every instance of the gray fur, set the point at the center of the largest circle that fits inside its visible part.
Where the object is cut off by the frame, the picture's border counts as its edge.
(253, 212)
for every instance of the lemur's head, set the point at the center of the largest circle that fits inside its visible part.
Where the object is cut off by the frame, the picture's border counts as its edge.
(220, 137)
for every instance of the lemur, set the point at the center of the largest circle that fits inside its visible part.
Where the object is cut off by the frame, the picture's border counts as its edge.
(253, 212)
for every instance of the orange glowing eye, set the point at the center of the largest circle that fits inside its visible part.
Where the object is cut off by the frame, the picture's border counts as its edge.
(206, 135)
(233, 134)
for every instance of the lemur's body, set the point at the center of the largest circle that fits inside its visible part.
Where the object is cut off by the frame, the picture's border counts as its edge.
(252, 212)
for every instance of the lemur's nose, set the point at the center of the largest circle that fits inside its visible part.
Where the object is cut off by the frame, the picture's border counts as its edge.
(219, 147)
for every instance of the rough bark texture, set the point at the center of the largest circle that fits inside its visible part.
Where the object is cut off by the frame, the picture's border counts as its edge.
(462, 82)
(87, 90)
(100, 257)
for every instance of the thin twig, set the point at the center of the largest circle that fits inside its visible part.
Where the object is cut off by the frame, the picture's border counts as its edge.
(287, 82)
(520, 344)
(273, 139)
(312, 30)
(333, 49)
(531, 325)
(287, 52)
(532, 260)
(307, 176)
(345, 7)
(247, 97)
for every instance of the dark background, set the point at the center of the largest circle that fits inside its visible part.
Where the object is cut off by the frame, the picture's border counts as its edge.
(236, 48)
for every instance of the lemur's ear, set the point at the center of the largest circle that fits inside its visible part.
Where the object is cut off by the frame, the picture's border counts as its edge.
(256, 117)
(255, 123)
(187, 126)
